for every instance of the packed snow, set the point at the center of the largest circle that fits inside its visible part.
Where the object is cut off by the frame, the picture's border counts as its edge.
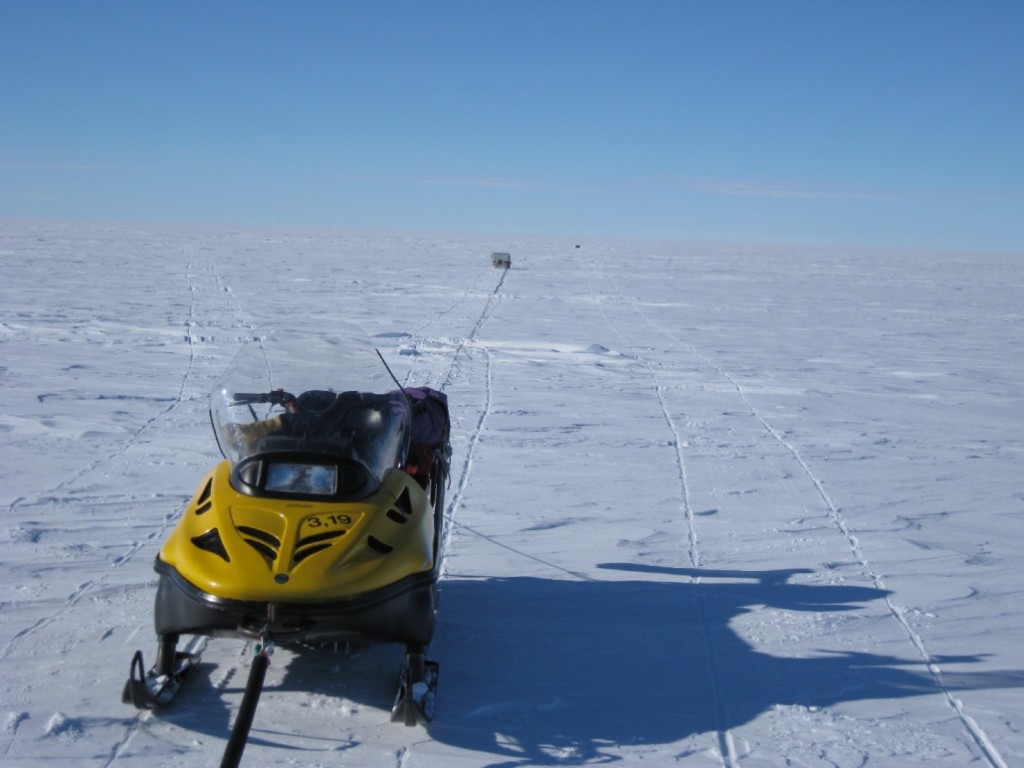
(709, 506)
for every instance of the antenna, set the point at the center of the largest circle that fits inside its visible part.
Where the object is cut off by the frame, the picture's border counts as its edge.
(394, 379)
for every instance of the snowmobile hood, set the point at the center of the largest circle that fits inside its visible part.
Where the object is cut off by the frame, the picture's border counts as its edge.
(234, 546)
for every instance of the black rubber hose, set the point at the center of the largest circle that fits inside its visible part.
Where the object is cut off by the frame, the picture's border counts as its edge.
(246, 712)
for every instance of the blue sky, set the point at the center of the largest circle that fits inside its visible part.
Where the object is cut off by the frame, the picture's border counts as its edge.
(896, 123)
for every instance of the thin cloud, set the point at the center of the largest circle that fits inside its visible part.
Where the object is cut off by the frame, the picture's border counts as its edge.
(492, 182)
(93, 167)
(61, 167)
(784, 190)
(477, 181)
(773, 189)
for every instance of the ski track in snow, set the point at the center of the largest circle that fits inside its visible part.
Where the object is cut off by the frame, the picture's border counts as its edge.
(199, 279)
(133, 439)
(469, 341)
(118, 748)
(65, 484)
(726, 744)
(451, 522)
(492, 302)
(898, 613)
(215, 282)
(467, 465)
(451, 313)
(464, 341)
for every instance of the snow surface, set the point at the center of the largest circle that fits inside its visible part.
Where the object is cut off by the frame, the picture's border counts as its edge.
(710, 506)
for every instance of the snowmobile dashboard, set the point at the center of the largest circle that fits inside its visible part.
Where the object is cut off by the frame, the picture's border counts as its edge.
(303, 476)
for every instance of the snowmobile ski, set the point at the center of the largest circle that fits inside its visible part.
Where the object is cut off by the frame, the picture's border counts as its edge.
(157, 688)
(417, 692)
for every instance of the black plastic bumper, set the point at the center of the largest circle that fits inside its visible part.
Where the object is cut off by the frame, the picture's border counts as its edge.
(402, 612)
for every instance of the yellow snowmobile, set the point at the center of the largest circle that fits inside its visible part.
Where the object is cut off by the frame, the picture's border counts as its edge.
(323, 523)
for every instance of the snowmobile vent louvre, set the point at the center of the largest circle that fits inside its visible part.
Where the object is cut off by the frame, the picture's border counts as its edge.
(256, 533)
(310, 545)
(404, 508)
(404, 503)
(380, 546)
(317, 538)
(299, 556)
(265, 543)
(204, 503)
(211, 542)
(262, 548)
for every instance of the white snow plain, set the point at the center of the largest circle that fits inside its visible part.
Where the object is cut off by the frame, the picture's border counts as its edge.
(710, 506)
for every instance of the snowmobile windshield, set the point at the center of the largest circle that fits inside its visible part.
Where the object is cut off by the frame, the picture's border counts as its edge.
(308, 410)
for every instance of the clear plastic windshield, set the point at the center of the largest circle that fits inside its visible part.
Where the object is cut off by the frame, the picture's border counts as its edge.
(323, 397)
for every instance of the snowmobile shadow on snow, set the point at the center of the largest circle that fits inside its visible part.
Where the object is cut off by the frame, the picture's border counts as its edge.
(555, 671)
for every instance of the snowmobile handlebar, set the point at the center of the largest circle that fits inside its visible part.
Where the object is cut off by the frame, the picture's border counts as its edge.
(277, 397)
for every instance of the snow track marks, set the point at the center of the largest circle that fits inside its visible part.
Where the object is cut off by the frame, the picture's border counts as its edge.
(453, 507)
(726, 743)
(898, 613)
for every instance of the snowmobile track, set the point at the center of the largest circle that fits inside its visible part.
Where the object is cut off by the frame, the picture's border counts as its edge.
(121, 560)
(726, 745)
(196, 282)
(898, 613)
(492, 302)
(474, 438)
(419, 332)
